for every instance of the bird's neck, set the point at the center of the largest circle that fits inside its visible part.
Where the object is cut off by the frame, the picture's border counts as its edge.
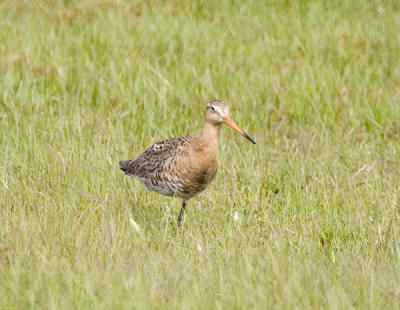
(209, 138)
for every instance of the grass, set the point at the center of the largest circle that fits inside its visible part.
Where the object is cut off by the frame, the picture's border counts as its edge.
(308, 218)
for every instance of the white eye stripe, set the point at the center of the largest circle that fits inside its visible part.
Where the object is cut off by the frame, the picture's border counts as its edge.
(218, 109)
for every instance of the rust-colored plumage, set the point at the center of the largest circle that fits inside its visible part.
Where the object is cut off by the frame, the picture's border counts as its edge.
(183, 167)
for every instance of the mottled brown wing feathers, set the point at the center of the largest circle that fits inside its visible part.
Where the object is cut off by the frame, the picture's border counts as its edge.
(156, 157)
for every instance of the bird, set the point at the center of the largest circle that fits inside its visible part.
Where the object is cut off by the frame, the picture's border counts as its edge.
(184, 166)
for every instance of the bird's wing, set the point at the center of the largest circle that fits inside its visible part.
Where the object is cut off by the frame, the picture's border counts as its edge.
(157, 157)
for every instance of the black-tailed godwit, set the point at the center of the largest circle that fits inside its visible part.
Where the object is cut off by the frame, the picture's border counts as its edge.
(183, 167)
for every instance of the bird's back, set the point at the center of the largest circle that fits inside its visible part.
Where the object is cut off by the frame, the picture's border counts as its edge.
(157, 157)
(172, 167)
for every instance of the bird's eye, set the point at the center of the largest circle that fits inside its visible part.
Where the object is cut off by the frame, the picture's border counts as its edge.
(212, 108)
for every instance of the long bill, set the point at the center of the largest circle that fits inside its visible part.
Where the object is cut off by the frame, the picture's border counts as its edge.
(235, 127)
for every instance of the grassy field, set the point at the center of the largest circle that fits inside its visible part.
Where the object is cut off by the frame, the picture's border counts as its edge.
(308, 218)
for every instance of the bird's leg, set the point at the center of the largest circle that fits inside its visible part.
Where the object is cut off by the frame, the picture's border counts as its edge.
(181, 213)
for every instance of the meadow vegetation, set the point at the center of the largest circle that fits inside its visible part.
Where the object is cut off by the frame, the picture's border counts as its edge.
(308, 218)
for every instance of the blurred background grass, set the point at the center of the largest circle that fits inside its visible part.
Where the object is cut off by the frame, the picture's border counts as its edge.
(307, 218)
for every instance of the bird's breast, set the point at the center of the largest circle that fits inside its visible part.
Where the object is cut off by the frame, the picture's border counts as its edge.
(205, 175)
(202, 172)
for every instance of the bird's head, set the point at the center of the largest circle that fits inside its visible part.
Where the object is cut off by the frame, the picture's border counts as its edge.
(217, 113)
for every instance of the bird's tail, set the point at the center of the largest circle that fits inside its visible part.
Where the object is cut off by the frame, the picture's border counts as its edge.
(125, 165)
